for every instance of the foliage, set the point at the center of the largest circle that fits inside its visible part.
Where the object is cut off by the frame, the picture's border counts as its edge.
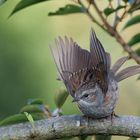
(68, 9)
(108, 11)
(132, 21)
(25, 3)
(134, 40)
(36, 109)
(100, 137)
(30, 112)
(60, 97)
(132, 138)
(30, 118)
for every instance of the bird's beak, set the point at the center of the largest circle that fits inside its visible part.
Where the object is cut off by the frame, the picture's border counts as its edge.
(75, 100)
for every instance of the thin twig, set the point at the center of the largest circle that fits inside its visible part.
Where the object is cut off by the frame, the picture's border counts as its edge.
(116, 18)
(89, 14)
(122, 17)
(110, 4)
(100, 15)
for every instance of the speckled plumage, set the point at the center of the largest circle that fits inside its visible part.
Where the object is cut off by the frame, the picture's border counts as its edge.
(88, 75)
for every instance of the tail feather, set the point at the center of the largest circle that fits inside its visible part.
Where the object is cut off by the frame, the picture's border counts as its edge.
(118, 64)
(127, 72)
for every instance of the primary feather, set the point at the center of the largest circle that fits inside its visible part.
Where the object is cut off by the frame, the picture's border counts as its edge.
(100, 62)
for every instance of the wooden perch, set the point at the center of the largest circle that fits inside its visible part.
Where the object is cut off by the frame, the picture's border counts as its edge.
(70, 126)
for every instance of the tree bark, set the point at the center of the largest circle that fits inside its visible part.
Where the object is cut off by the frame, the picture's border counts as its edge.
(70, 126)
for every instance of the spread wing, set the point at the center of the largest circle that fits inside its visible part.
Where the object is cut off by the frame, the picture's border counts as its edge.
(100, 61)
(77, 66)
(73, 63)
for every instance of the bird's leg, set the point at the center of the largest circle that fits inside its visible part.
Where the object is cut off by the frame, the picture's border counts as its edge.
(113, 116)
(87, 118)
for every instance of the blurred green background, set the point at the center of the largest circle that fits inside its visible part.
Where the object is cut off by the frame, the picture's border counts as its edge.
(27, 69)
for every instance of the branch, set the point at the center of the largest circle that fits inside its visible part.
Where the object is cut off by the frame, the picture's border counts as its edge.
(70, 126)
(116, 18)
(122, 17)
(89, 14)
(110, 30)
(126, 47)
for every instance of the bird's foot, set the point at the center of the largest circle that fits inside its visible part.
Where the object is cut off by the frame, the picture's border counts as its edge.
(87, 118)
(113, 116)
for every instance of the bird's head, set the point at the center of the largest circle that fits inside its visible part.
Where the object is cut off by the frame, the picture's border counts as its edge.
(91, 95)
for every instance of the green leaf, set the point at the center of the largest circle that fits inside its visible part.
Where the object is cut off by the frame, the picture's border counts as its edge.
(138, 52)
(60, 97)
(19, 118)
(108, 11)
(132, 138)
(132, 21)
(30, 118)
(25, 3)
(2, 2)
(31, 109)
(134, 40)
(35, 102)
(102, 137)
(119, 7)
(68, 9)
(138, 79)
(134, 8)
(83, 137)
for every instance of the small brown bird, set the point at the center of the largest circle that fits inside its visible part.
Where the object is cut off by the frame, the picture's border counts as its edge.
(89, 77)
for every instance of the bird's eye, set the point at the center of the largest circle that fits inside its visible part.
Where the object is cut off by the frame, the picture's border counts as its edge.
(86, 95)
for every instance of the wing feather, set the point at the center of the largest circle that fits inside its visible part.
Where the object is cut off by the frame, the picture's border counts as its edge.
(108, 61)
(99, 61)
(71, 61)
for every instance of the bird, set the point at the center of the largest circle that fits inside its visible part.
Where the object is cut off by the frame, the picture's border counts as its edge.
(88, 75)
